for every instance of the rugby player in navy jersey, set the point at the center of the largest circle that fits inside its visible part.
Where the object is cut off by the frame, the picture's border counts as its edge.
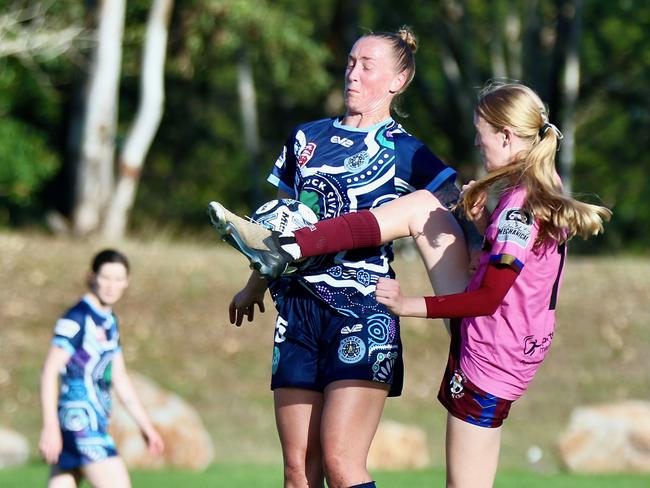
(337, 353)
(84, 362)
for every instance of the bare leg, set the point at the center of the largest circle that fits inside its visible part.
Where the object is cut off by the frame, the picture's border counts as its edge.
(298, 419)
(351, 415)
(109, 473)
(437, 235)
(472, 454)
(62, 479)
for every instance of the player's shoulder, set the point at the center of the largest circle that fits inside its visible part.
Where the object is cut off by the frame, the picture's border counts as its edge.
(401, 137)
(77, 312)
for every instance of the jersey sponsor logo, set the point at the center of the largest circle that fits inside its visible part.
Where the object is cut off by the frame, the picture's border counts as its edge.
(306, 154)
(351, 350)
(357, 162)
(66, 328)
(280, 329)
(349, 330)
(532, 344)
(343, 141)
(515, 225)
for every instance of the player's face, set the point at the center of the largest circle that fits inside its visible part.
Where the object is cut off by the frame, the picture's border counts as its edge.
(110, 282)
(492, 145)
(370, 78)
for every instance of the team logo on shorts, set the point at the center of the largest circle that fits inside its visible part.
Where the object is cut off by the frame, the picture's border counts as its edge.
(276, 359)
(350, 329)
(456, 384)
(382, 369)
(351, 350)
(280, 329)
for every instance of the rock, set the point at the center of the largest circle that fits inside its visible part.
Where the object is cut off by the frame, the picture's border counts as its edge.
(608, 438)
(187, 443)
(14, 448)
(398, 446)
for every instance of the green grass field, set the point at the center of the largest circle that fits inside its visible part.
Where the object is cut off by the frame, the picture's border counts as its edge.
(179, 296)
(263, 476)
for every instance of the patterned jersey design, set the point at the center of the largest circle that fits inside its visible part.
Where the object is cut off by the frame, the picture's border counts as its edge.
(336, 169)
(92, 339)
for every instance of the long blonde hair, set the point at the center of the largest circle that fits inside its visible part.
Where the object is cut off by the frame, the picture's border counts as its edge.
(559, 215)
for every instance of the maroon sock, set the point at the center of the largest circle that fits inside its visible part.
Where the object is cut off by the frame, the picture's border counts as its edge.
(348, 231)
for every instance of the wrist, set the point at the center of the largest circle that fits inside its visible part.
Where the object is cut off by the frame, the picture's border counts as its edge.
(415, 307)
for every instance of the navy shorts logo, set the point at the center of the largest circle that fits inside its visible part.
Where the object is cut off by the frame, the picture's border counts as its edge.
(351, 350)
(276, 359)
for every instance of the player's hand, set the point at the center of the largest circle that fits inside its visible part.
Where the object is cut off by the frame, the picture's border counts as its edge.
(478, 209)
(155, 444)
(389, 293)
(243, 305)
(50, 444)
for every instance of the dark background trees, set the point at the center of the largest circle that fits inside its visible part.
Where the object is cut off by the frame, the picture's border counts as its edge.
(240, 74)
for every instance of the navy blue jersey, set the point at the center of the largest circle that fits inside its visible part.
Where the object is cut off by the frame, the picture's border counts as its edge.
(336, 169)
(91, 337)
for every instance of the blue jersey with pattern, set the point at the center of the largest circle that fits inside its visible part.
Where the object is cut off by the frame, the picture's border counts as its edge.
(336, 169)
(92, 339)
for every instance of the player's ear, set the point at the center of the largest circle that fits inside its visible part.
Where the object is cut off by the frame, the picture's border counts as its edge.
(398, 82)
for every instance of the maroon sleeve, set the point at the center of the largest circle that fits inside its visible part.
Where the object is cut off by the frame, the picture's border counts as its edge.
(483, 301)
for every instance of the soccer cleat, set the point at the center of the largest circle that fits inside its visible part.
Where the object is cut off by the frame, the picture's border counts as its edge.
(259, 244)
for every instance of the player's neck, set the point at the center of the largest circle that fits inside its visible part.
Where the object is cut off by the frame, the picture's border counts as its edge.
(97, 303)
(363, 121)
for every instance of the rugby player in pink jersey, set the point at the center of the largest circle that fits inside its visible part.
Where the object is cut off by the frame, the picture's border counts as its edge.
(503, 324)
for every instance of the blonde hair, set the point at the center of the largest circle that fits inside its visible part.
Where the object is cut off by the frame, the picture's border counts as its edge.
(559, 215)
(403, 44)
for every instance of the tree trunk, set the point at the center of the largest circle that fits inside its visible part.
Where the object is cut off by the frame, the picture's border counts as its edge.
(94, 178)
(570, 87)
(248, 108)
(147, 120)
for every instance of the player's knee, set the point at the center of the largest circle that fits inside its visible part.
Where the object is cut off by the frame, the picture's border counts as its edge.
(336, 465)
(295, 470)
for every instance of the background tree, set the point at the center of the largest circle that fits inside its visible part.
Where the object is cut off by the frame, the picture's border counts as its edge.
(94, 171)
(147, 120)
(241, 74)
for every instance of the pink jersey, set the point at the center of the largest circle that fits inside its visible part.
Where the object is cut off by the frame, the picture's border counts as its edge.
(500, 353)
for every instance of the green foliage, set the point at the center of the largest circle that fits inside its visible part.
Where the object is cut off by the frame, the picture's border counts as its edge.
(297, 51)
(25, 162)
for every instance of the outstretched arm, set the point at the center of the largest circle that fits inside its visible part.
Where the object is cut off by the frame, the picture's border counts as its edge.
(485, 300)
(126, 393)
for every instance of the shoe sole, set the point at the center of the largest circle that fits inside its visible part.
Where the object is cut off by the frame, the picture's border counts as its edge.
(231, 236)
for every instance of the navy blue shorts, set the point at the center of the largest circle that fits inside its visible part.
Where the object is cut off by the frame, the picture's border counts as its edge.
(462, 398)
(315, 346)
(85, 447)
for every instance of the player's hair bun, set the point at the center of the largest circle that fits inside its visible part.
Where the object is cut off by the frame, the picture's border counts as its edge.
(406, 34)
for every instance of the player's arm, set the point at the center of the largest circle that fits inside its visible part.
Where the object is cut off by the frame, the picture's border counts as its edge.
(243, 303)
(50, 443)
(485, 300)
(126, 393)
